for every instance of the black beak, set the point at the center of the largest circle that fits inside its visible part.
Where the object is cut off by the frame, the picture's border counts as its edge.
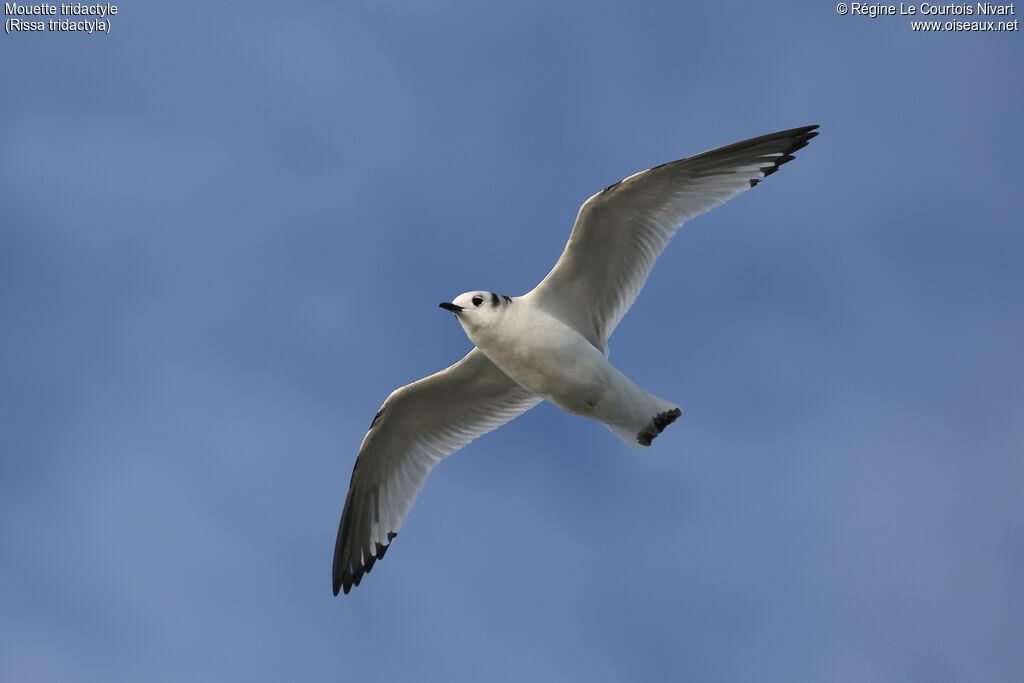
(450, 307)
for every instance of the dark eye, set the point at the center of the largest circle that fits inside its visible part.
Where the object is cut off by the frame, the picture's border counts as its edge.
(477, 300)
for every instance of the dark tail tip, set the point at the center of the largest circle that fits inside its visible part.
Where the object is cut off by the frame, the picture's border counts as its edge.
(658, 425)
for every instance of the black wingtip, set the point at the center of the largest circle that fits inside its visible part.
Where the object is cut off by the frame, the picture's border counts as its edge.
(801, 136)
(344, 579)
(796, 137)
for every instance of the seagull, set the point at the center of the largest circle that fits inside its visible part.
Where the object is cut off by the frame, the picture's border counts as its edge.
(548, 344)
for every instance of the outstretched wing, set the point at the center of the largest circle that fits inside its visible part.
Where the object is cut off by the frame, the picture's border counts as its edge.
(621, 231)
(418, 425)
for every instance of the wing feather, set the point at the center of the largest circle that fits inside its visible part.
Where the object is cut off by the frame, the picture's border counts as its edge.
(621, 231)
(418, 425)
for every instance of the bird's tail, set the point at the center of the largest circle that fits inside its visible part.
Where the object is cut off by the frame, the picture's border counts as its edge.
(657, 415)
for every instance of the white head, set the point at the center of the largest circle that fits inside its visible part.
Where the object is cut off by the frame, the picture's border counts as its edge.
(476, 310)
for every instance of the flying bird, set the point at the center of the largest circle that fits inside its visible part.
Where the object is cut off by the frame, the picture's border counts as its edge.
(548, 344)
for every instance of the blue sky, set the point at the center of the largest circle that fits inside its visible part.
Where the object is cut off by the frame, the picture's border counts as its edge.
(224, 232)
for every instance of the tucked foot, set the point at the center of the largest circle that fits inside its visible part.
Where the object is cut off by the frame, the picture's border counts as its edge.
(658, 424)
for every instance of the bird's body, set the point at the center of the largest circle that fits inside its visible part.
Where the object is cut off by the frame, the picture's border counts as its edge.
(548, 344)
(551, 359)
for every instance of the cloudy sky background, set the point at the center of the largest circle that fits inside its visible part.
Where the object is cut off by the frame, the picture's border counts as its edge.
(224, 232)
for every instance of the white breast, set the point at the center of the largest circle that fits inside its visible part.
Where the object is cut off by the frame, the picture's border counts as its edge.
(548, 357)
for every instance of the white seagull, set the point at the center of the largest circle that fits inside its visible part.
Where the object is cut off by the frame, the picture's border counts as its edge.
(550, 343)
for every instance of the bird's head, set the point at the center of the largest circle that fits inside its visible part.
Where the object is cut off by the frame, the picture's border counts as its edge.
(477, 310)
